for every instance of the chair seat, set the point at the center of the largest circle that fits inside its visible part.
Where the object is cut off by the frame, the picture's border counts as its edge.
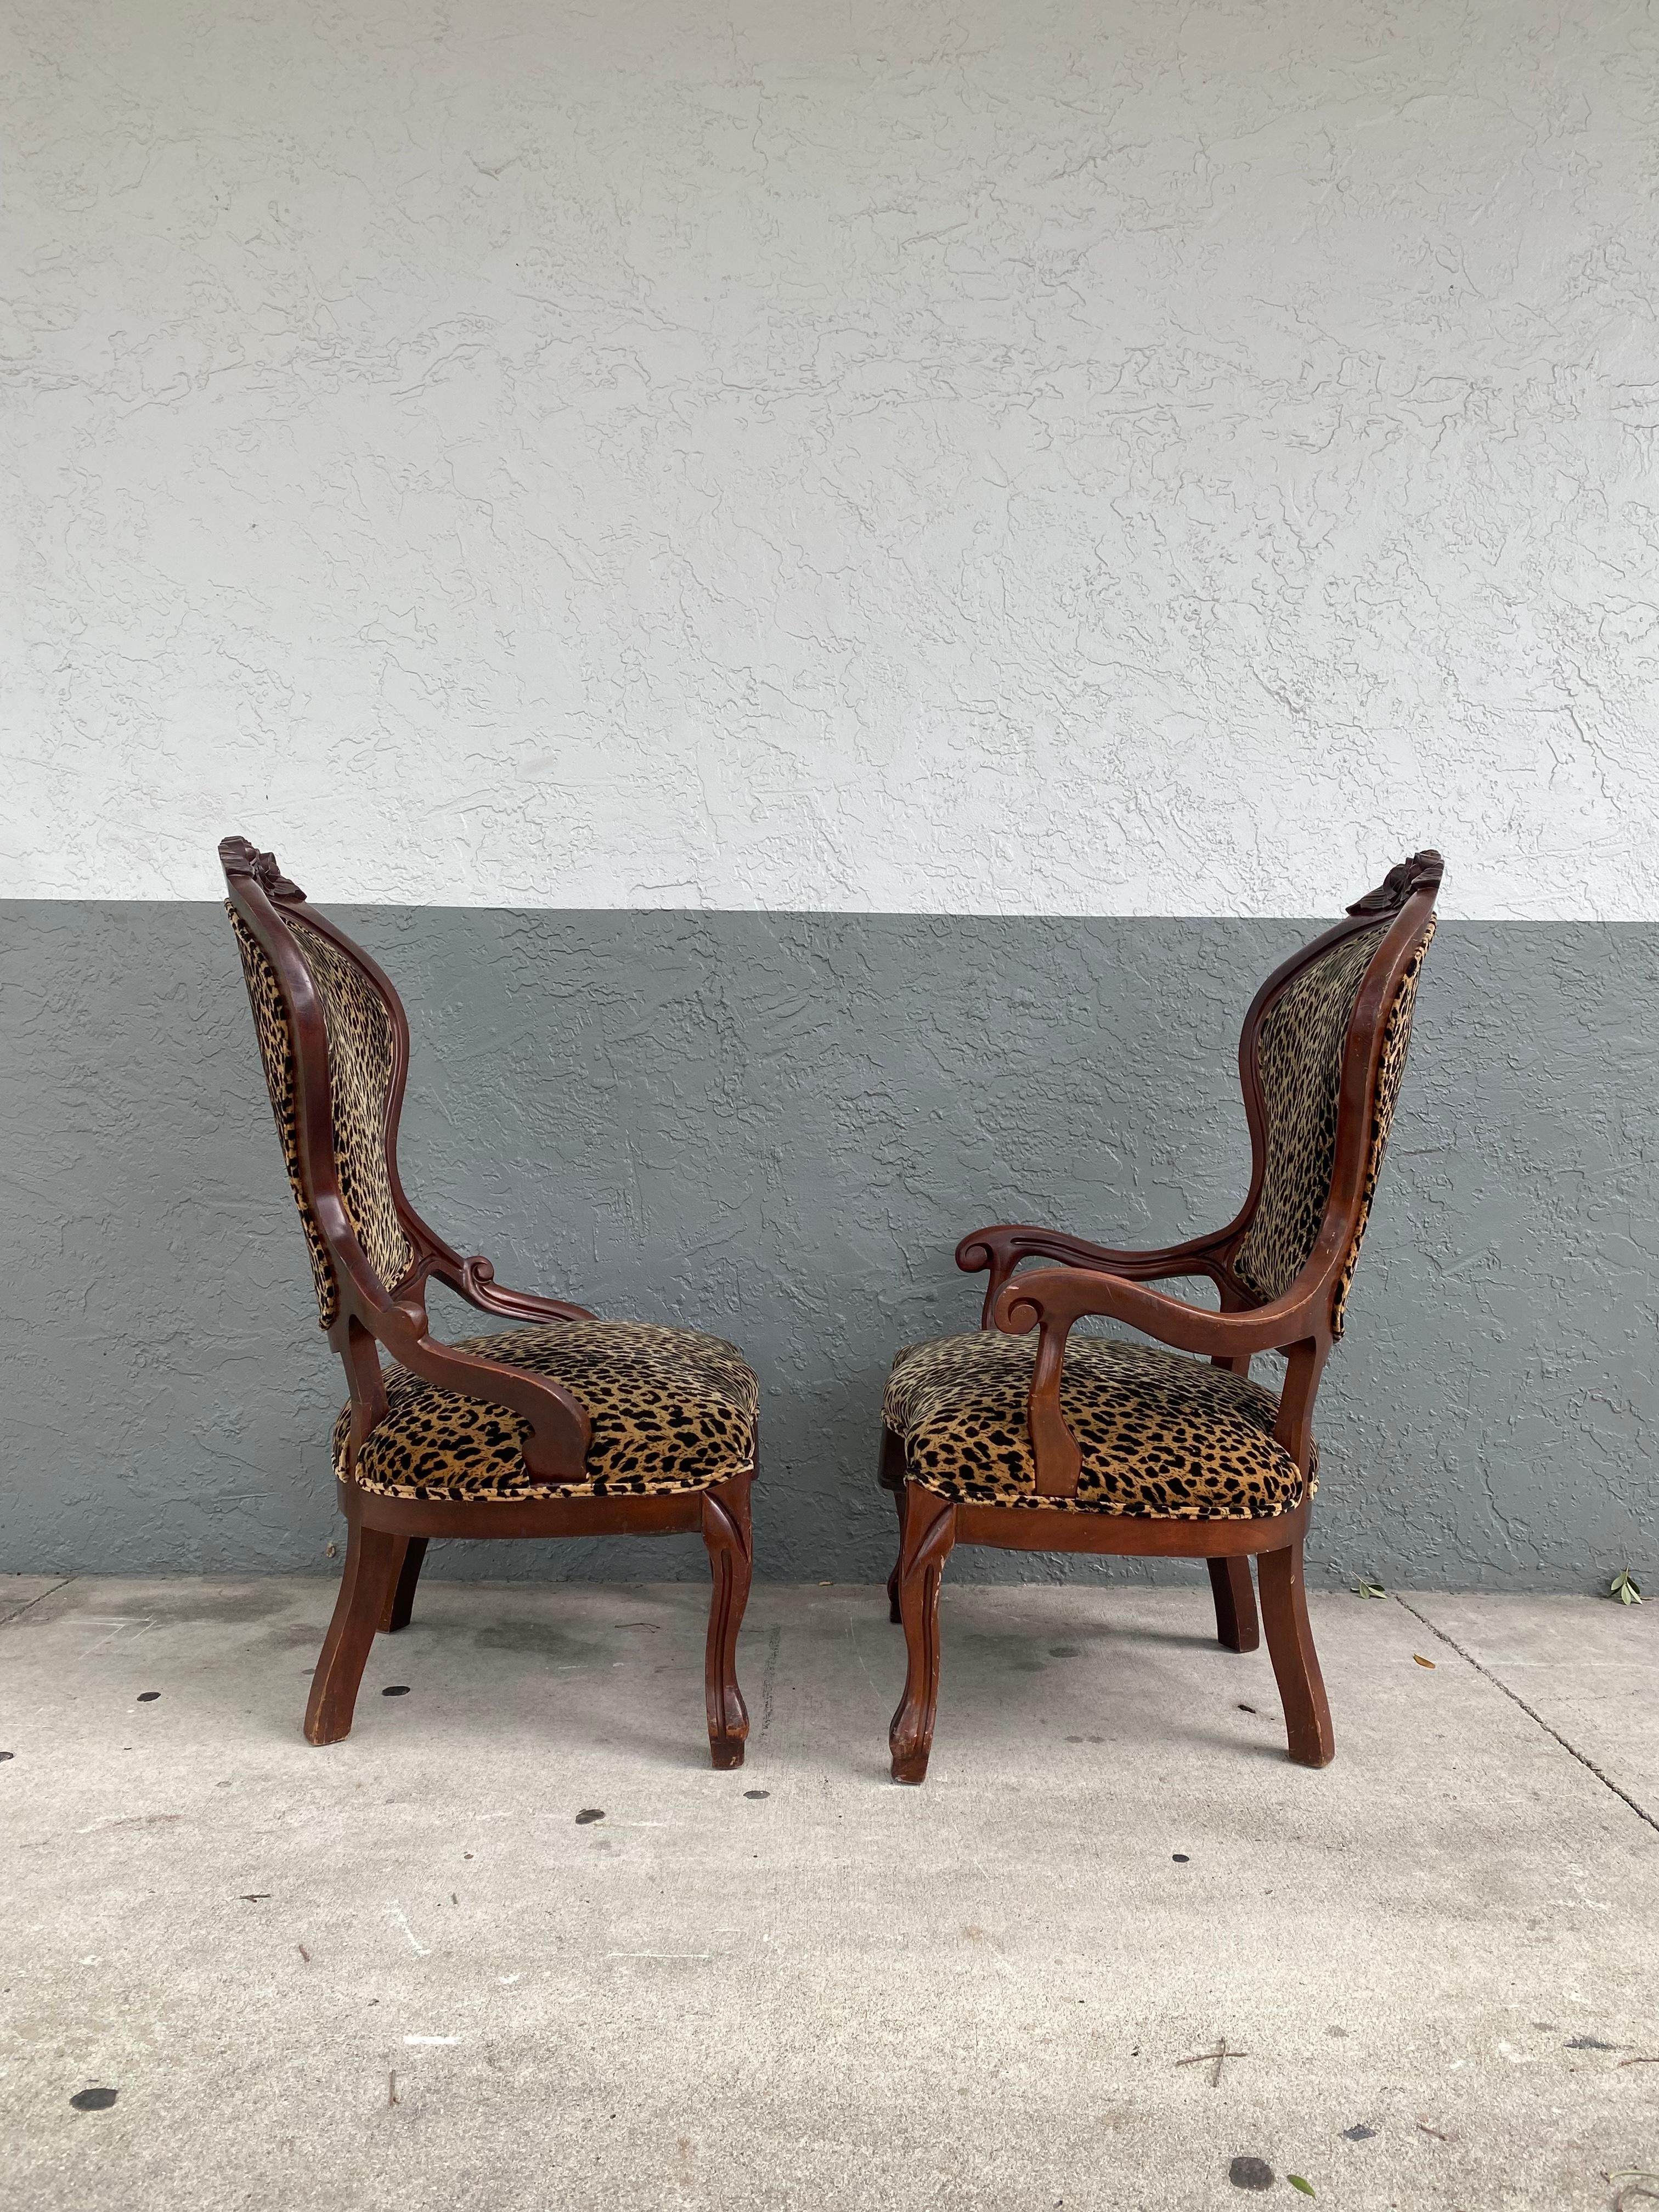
(671, 1411)
(1162, 1436)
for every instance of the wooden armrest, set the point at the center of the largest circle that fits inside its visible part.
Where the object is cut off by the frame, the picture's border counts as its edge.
(1053, 1300)
(1003, 1247)
(555, 1450)
(474, 1279)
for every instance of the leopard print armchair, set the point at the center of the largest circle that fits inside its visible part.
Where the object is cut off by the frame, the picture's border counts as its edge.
(1044, 1442)
(562, 1426)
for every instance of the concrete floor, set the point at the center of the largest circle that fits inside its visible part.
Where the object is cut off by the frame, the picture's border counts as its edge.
(405, 1972)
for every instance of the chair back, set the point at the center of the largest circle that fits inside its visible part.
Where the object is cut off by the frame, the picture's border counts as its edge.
(1321, 1059)
(335, 1044)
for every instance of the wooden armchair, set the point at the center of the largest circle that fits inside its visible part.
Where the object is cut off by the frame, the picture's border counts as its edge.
(1105, 1446)
(564, 1426)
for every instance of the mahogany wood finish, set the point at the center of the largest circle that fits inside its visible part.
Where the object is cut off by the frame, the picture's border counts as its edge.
(387, 1537)
(1236, 1622)
(401, 1605)
(1083, 1278)
(930, 1530)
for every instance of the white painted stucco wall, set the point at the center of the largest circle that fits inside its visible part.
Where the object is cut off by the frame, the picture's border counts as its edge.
(990, 457)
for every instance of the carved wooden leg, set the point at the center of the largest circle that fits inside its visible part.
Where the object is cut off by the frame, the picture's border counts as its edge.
(366, 1588)
(401, 1603)
(892, 1478)
(930, 1530)
(727, 1535)
(1295, 1663)
(1235, 1623)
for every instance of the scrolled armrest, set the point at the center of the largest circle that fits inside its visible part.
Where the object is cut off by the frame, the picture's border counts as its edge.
(1056, 1297)
(555, 1449)
(1001, 1248)
(475, 1280)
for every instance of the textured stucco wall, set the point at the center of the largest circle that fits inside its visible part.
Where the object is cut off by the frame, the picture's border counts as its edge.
(935, 460)
(999, 457)
(777, 1127)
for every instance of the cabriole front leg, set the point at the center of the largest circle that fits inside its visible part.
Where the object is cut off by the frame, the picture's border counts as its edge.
(726, 1534)
(930, 1528)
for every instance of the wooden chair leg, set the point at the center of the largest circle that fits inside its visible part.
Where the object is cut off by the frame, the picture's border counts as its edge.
(727, 1535)
(1295, 1663)
(366, 1590)
(930, 1530)
(401, 1603)
(894, 1613)
(1235, 1623)
(892, 1478)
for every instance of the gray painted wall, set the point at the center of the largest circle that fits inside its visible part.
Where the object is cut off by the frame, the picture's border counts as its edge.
(777, 1127)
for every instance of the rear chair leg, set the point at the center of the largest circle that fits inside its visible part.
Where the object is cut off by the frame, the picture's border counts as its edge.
(366, 1591)
(930, 1530)
(401, 1603)
(894, 1615)
(1295, 1663)
(727, 1537)
(1235, 1623)
(892, 1478)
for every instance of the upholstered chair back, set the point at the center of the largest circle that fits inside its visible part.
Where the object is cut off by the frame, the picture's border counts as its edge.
(1301, 1040)
(363, 1077)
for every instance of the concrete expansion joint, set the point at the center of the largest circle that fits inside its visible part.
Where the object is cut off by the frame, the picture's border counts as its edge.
(16, 1612)
(1469, 1657)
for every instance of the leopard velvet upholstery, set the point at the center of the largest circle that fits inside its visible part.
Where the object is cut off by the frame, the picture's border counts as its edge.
(362, 1048)
(276, 1051)
(1299, 1047)
(1163, 1437)
(671, 1410)
(1396, 1043)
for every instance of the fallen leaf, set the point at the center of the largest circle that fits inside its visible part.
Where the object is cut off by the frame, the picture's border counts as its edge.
(1625, 1587)
(1422, 1661)
(1297, 2182)
(1369, 1589)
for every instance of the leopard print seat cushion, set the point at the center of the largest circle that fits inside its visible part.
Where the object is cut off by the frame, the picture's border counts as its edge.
(671, 1410)
(1164, 1437)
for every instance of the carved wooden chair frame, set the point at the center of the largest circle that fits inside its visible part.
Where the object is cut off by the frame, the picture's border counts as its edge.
(387, 1537)
(1091, 1278)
